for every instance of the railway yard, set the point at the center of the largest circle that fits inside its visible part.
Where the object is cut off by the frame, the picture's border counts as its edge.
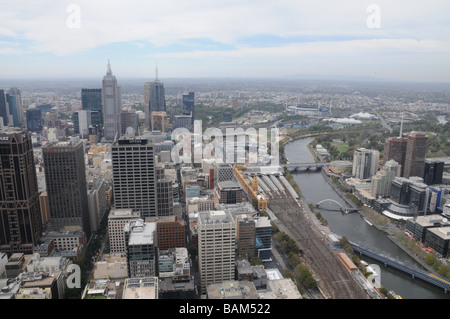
(293, 217)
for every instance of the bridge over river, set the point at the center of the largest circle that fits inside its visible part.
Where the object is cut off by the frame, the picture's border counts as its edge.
(314, 166)
(409, 269)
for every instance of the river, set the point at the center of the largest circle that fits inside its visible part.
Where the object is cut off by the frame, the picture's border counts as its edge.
(314, 189)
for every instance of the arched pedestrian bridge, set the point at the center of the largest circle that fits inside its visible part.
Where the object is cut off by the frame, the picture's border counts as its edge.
(331, 204)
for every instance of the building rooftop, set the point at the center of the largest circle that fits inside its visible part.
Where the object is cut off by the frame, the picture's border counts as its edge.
(140, 232)
(432, 220)
(214, 217)
(141, 288)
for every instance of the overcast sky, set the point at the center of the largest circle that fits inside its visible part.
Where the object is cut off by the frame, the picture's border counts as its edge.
(385, 39)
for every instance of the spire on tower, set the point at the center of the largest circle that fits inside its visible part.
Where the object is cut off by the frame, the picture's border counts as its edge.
(156, 71)
(109, 68)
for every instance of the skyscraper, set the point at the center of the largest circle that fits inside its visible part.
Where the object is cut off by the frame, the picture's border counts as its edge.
(34, 119)
(395, 149)
(189, 105)
(20, 218)
(18, 98)
(134, 176)
(112, 106)
(65, 178)
(365, 163)
(4, 108)
(216, 247)
(416, 151)
(91, 100)
(154, 99)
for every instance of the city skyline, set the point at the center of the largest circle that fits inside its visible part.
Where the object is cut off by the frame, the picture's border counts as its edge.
(346, 39)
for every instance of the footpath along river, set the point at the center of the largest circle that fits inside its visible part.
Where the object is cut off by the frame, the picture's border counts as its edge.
(315, 188)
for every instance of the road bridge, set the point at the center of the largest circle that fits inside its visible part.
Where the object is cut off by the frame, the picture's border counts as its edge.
(414, 272)
(315, 166)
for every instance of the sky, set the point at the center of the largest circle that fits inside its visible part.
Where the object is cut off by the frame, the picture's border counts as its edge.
(373, 39)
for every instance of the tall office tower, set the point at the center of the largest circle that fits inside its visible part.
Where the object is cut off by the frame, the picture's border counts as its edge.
(245, 234)
(263, 238)
(395, 149)
(20, 113)
(128, 118)
(134, 176)
(91, 100)
(159, 121)
(216, 247)
(112, 106)
(140, 241)
(365, 163)
(189, 105)
(410, 192)
(154, 100)
(20, 217)
(381, 182)
(117, 219)
(34, 119)
(416, 151)
(14, 116)
(82, 120)
(4, 108)
(65, 178)
(433, 172)
(164, 191)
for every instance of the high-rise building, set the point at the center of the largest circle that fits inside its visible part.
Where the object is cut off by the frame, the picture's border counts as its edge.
(189, 105)
(154, 100)
(65, 178)
(416, 152)
(216, 247)
(34, 119)
(410, 192)
(395, 149)
(117, 219)
(245, 235)
(381, 182)
(263, 238)
(20, 112)
(134, 176)
(433, 172)
(20, 217)
(365, 163)
(4, 108)
(112, 106)
(159, 121)
(14, 116)
(128, 118)
(140, 241)
(91, 100)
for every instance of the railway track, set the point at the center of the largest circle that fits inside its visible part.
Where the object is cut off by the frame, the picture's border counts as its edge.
(333, 276)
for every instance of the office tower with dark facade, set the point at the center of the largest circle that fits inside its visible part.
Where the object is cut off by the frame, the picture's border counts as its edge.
(20, 217)
(134, 176)
(112, 106)
(15, 92)
(91, 100)
(416, 152)
(154, 100)
(65, 178)
(189, 105)
(4, 108)
(433, 172)
(34, 119)
(395, 149)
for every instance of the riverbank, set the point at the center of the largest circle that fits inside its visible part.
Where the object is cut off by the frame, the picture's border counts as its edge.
(376, 220)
